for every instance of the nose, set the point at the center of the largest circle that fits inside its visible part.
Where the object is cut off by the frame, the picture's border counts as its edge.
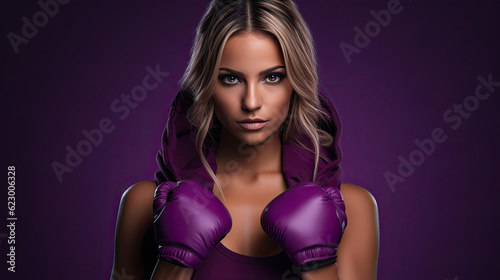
(251, 100)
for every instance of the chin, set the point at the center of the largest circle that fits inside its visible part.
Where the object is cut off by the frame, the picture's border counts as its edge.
(257, 139)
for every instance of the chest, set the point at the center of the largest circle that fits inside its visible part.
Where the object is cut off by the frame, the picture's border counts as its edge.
(245, 200)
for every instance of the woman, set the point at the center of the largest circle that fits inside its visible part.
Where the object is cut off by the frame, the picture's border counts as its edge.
(250, 176)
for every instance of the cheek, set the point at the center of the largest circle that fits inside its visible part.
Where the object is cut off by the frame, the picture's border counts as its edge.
(281, 105)
(285, 106)
(219, 113)
(223, 106)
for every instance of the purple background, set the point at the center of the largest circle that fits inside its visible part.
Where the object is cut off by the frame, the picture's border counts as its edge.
(440, 223)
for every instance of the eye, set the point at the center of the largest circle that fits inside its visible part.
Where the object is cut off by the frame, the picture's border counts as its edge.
(274, 78)
(228, 79)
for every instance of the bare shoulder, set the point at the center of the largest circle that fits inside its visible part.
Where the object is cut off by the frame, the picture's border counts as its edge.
(361, 209)
(357, 198)
(359, 247)
(139, 193)
(134, 240)
(136, 209)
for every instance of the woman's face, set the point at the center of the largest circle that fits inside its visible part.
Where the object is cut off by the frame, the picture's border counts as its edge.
(253, 92)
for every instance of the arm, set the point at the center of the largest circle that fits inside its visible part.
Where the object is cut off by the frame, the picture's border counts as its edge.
(134, 222)
(357, 253)
(135, 247)
(165, 270)
(329, 272)
(359, 247)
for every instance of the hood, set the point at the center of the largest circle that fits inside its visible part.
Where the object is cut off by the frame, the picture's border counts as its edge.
(178, 158)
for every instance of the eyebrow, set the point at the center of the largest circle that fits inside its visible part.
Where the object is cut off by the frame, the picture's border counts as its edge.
(261, 73)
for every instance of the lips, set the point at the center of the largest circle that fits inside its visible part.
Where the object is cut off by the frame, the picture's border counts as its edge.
(253, 124)
(251, 120)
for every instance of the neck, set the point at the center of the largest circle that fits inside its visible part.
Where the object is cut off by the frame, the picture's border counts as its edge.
(233, 156)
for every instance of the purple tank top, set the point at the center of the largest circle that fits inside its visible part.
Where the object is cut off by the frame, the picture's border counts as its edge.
(224, 264)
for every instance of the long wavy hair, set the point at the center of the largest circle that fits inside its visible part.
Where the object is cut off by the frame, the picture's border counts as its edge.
(280, 19)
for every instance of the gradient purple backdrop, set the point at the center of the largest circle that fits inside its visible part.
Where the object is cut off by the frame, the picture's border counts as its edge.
(440, 223)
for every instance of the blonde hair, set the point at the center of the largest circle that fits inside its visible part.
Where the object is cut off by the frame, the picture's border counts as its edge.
(280, 19)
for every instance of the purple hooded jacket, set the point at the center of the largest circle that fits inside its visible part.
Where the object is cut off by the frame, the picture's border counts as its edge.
(178, 158)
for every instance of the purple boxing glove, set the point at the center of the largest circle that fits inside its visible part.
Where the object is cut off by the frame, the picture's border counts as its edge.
(188, 221)
(307, 221)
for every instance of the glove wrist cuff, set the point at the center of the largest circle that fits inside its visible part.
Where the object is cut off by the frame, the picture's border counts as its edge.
(180, 255)
(313, 265)
(314, 258)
